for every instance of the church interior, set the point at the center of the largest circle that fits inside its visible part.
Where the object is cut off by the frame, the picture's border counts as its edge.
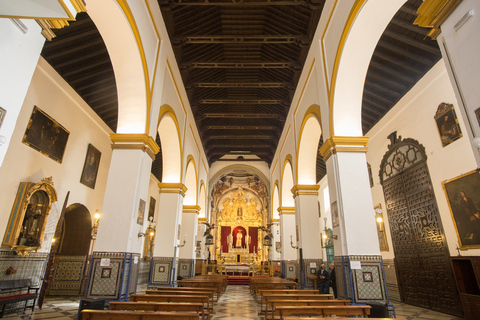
(148, 144)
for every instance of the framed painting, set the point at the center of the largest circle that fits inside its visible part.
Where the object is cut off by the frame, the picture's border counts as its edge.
(151, 209)
(477, 114)
(462, 196)
(46, 135)
(90, 167)
(141, 212)
(2, 115)
(447, 124)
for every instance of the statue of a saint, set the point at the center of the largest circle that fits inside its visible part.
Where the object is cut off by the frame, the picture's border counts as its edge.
(238, 244)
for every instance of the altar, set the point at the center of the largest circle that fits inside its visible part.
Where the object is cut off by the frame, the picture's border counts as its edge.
(238, 255)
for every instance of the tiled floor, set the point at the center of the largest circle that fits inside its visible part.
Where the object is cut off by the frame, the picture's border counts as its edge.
(235, 304)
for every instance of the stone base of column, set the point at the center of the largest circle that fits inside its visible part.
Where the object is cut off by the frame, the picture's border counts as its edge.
(361, 279)
(163, 272)
(186, 268)
(112, 276)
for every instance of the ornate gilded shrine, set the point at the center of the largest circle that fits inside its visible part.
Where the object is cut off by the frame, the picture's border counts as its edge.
(240, 213)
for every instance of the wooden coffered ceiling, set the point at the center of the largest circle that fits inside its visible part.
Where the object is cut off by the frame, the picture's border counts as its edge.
(240, 63)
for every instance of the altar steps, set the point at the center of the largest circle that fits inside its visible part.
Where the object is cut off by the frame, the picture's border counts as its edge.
(238, 281)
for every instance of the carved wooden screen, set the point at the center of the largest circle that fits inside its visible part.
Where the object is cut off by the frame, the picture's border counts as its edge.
(422, 258)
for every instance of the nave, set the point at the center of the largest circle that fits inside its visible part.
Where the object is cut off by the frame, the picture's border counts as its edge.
(235, 304)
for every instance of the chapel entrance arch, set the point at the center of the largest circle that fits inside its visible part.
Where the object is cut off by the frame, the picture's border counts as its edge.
(69, 271)
(422, 258)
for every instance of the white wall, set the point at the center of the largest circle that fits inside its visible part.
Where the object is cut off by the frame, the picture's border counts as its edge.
(51, 94)
(413, 117)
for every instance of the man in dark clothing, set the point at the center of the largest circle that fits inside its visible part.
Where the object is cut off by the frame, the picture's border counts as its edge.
(333, 281)
(323, 280)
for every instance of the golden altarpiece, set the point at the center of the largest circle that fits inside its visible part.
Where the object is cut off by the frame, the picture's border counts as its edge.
(238, 221)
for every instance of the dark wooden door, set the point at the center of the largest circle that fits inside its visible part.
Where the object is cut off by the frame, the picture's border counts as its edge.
(422, 258)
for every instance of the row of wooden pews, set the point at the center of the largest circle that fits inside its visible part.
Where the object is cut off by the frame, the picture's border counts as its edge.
(193, 299)
(297, 304)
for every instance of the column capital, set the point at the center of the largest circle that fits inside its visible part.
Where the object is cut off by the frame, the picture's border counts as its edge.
(305, 189)
(166, 187)
(286, 210)
(135, 141)
(343, 144)
(192, 209)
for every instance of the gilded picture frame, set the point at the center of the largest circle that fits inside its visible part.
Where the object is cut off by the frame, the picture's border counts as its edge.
(463, 201)
(447, 124)
(90, 166)
(46, 135)
(382, 237)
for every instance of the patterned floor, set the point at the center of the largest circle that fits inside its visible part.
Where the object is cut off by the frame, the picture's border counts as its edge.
(235, 304)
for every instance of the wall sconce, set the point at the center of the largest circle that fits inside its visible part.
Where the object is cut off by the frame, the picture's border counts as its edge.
(326, 237)
(184, 242)
(208, 240)
(96, 220)
(150, 230)
(291, 243)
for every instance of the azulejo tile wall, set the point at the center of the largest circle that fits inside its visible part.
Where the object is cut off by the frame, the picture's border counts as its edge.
(311, 266)
(111, 273)
(29, 267)
(290, 270)
(161, 273)
(68, 275)
(185, 267)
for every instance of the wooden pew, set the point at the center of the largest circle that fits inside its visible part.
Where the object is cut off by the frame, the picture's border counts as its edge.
(292, 296)
(213, 290)
(271, 311)
(262, 292)
(137, 315)
(160, 306)
(336, 318)
(269, 283)
(173, 298)
(204, 283)
(184, 292)
(325, 311)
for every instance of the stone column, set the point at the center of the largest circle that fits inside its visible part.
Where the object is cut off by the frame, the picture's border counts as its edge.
(186, 256)
(114, 267)
(168, 236)
(358, 262)
(288, 235)
(307, 223)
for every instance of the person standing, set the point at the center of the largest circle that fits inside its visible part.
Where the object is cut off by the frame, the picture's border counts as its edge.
(333, 281)
(323, 280)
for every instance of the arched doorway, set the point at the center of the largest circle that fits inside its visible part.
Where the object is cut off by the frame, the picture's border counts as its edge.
(422, 258)
(69, 265)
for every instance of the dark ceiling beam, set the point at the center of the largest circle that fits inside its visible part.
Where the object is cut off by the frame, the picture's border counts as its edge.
(240, 128)
(242, 84)
(304, 3)
(412, 42)
(237, 101)
(240, 65)
(241, 39)
(399, 63)
(242, 116)
(227, 152)
(239, 146)
(410, 26)
(242, 137)
(404, 52)
(396, 74)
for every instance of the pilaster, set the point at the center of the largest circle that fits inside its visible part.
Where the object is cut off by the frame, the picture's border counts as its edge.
(189, 233)
(287, 233)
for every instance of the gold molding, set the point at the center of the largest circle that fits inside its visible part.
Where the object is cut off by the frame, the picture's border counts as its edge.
(336, 141)
(202, 219)
(305, 189)
(286, 210)
(191, 208)
(134, 147)
(143, 138)
(166, 187)
(432, 13)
